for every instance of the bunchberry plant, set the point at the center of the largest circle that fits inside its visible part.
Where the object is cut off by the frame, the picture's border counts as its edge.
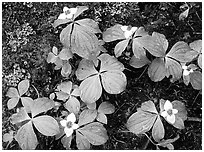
(17, 94)
(79, 35)
(78, 112)
(61, 60)
(110, 76)
(147, 117)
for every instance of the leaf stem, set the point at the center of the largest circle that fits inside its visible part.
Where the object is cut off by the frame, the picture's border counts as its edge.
(149, 139)
(36, 91)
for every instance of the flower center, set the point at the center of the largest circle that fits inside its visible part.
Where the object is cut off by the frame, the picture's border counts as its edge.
(67, 12)
(69, 124)
(170, 112)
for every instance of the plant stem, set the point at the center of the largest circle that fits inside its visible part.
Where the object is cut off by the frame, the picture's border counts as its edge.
(149, 139)
(36, 91)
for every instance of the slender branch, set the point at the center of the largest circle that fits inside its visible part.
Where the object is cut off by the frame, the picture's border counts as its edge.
(36, 91)
(142, 73)
(195, 98)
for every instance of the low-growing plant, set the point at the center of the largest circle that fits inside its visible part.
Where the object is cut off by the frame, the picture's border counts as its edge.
(76, 111)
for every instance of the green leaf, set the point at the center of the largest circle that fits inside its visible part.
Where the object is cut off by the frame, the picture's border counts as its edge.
(186, 79)
(155, 44)
(51, 58)
(62, 96)
(46, 125)
(164, 143)
(80, 9)
(12, 102)
(12, 93)
(106, 108)
(196, 80)
(120, 47)
(158, 130)
(66, 141)
(41, 105)
(65, 35)
(8, 137)
(95, 133)
(65, 54)
(66, 69)
(73, 105)
(141, 122)
(137, 47)
(91, 89)
(149, 106)
(90, 25)
(26, 137)
(85, 69)
(173, 68)
(200, 61)
(114, 82)
(20, 116)
(170, 146)
(83, 42)
(156, 70)
(27, 103)
(101, 117)
(23, 87)
(184, 14)
(87, 116)
(139, 62)
(91, 105)
(110, 63)
(196, 45)
(82, 142)
(65, 87)
(60, 21)
(113, 33)
(180, 106)
(181, 52)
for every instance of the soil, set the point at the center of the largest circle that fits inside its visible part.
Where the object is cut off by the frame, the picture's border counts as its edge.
(28, 36)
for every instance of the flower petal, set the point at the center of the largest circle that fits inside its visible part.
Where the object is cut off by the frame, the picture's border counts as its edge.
(68, 131)
(168, 105)
(63, 123)
(186, 72)
(65, 9)
(62, 16)
(124, 28)
(73, 10)
(75, 126)
(174, 111)
(71, 117)
(164, 114)
(171, 119)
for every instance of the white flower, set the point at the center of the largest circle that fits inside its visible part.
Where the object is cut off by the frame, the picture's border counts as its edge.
(68, 13)
(186, 71)
(169, 112)
(69, 124)
(128, 32)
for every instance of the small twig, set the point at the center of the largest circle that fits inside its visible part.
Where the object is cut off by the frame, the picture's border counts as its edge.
(194, 119)
(195, 98)
(36, 91)
(142, 73)
(198, 16)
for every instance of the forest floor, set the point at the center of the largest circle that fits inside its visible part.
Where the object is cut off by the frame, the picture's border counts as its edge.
(28, 36)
